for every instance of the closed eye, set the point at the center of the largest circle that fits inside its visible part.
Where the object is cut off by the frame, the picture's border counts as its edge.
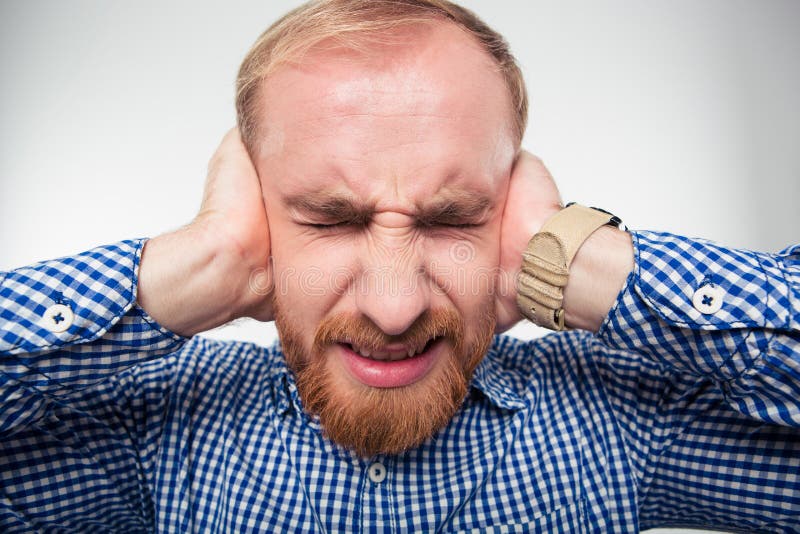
(462, 225)
(334, 225)
(444, 225)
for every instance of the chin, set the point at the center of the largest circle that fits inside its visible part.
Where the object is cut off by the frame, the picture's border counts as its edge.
(382, 420)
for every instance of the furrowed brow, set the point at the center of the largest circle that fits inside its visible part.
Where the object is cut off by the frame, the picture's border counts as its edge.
(461, 208)
(327, 207)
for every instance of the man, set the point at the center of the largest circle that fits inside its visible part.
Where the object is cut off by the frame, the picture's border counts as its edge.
(378, 208)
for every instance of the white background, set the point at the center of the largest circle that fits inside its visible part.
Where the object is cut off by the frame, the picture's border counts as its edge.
(680, 116)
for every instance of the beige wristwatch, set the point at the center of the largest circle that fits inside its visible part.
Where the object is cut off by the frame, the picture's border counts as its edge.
(546, 261)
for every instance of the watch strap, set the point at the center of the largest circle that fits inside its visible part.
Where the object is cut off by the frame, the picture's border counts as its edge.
(546, 262)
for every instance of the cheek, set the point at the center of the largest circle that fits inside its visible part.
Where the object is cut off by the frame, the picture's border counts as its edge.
(464, 270)
(312, 276)
(302, 296)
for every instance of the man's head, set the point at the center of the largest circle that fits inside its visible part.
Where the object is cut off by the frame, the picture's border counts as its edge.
(383, 133)
(357, 25)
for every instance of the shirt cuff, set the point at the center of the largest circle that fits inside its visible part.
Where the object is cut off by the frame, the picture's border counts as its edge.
(698, 306)
(72, 300)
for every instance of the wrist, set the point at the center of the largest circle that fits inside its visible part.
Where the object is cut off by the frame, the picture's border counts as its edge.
(190, 280)
(549, 267)
(597, 274)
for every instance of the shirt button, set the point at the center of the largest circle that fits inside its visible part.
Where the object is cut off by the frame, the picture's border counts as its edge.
(57, 318)
(377, 472)
(708, 299)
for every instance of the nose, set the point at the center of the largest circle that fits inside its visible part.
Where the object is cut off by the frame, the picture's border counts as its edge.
(393, 302)
(394, 289)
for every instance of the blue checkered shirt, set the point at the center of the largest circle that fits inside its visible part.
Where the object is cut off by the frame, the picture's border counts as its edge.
(675, 414)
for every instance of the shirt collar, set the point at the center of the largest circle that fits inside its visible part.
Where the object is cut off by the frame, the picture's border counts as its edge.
(491, 379)
(495, 381)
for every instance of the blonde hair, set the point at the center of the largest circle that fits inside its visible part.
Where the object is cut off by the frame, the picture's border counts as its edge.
(350, 23)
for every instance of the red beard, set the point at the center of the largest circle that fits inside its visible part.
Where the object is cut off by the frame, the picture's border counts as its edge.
(371, 420)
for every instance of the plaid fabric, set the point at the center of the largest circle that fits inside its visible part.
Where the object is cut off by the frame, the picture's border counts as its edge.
(667, 417)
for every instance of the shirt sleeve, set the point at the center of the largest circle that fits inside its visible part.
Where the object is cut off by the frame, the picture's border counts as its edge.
(68, 323)
(732, 316)
(701, 360)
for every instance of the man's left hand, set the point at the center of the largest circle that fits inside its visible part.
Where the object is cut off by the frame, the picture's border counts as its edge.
(532, 198)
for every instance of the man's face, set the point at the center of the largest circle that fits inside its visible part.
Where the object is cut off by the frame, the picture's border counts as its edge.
(384, 180)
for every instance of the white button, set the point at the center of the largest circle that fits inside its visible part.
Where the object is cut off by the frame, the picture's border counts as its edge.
(58, 318)
(377, 472)
(708, 299)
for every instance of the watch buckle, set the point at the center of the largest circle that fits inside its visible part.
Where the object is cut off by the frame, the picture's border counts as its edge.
(558, 317)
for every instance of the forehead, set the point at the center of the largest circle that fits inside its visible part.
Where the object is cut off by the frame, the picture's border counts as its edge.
(423, 110)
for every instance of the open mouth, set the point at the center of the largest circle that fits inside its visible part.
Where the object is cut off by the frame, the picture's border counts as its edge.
(391, 354)
(390, 366)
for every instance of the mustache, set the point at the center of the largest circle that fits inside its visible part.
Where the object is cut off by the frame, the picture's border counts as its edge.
(361, 331)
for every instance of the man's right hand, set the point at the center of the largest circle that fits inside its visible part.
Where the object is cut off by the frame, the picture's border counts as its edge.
(217, 268)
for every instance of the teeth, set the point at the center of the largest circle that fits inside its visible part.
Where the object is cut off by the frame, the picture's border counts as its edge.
(392, 356)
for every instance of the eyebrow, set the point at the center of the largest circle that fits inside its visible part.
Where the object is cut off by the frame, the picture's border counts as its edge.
(328, 207)
(454, 208)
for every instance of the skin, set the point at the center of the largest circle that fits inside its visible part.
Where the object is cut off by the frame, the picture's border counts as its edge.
(397, 135)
